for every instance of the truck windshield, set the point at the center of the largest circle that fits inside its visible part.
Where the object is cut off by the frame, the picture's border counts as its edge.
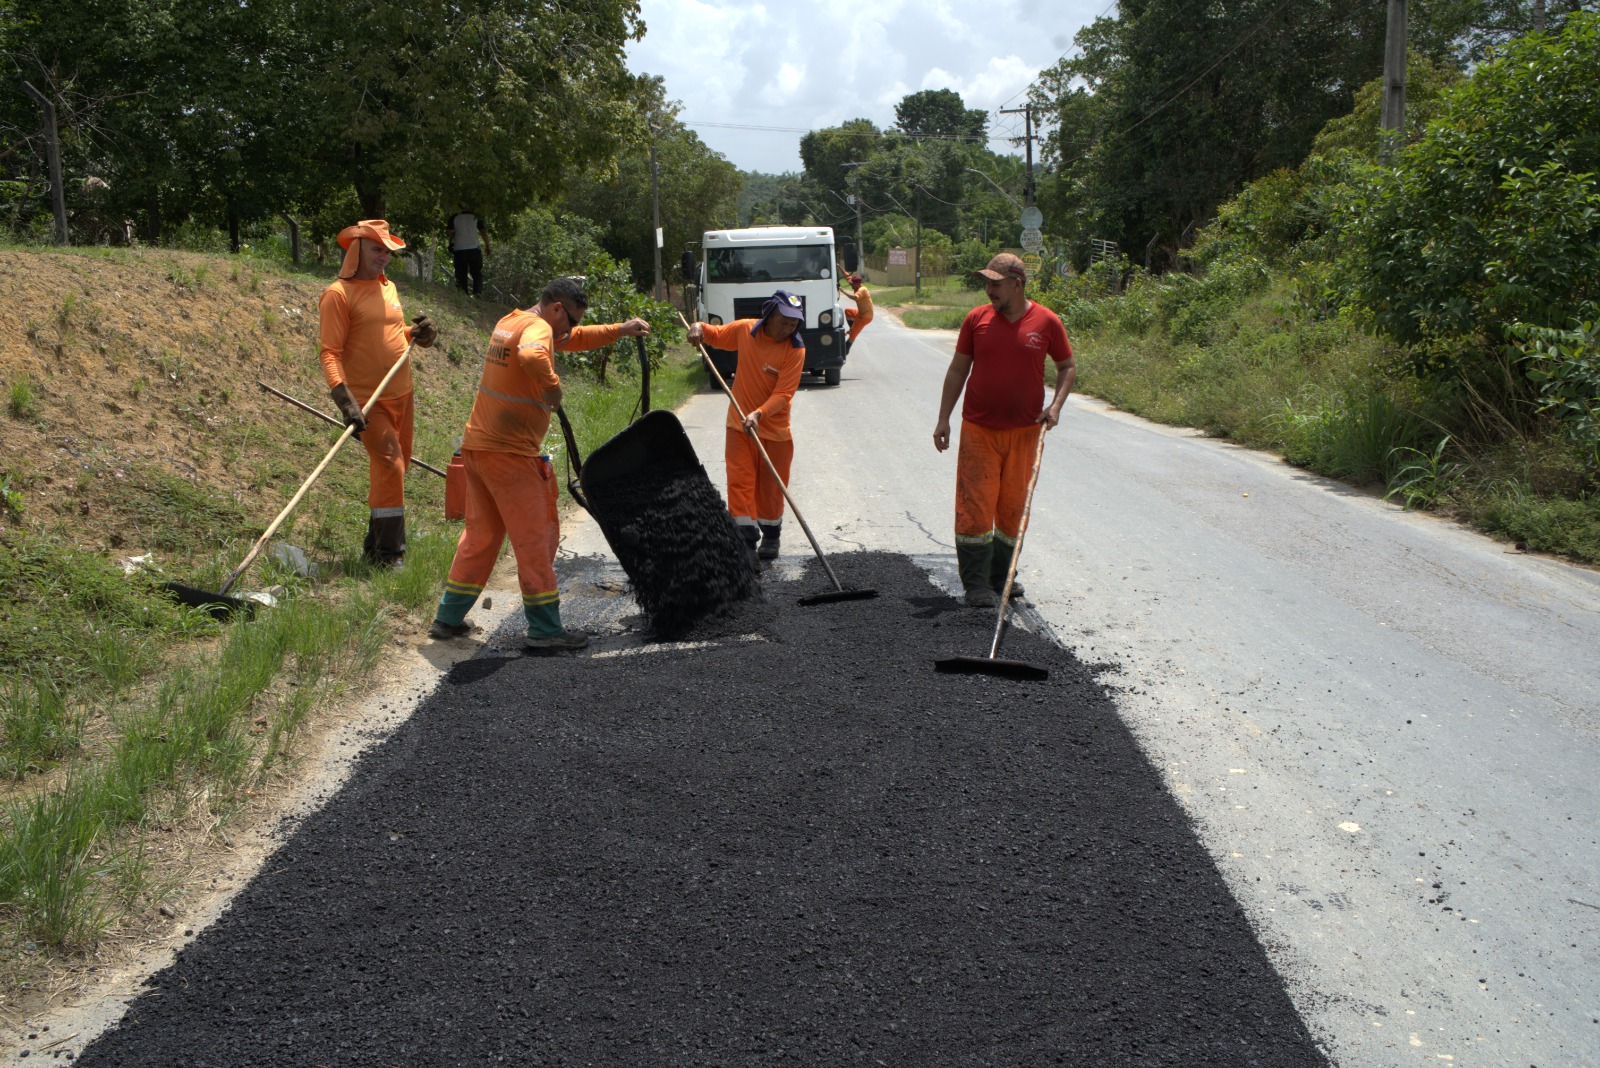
(773, 263)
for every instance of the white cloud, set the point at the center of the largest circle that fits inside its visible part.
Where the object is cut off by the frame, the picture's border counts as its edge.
(816, 65)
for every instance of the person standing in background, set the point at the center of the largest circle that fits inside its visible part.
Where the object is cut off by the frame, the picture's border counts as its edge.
(469, 243)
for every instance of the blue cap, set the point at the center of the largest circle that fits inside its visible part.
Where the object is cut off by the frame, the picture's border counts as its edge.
(784, 303)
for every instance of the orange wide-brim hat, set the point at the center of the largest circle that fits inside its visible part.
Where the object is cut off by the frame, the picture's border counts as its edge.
(376, 229)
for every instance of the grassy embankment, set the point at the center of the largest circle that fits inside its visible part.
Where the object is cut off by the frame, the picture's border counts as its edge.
(1258, 362)
(134, 426)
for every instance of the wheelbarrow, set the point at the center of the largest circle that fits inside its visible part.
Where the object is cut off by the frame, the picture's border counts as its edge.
(664, 520)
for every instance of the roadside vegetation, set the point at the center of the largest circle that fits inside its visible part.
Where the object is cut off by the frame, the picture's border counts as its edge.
(131, 727)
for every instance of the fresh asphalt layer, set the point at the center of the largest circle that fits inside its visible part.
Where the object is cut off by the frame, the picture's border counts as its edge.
(790, 842)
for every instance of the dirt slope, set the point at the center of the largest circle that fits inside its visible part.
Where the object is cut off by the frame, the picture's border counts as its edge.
(143, 363)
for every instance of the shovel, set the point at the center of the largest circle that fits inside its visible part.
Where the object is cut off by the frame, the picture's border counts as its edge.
(989, 665)
(219, 604)
(839, 592)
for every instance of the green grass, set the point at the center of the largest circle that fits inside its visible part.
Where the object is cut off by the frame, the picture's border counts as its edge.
(1251, 360)
(948, 294)
(23, 403)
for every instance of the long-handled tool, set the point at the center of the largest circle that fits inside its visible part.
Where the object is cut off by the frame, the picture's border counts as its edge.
(989, 665)
(326, 418)
(839, 592)
(219, 603)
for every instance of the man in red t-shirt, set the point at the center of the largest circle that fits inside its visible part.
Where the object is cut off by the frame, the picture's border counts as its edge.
(1000, 361)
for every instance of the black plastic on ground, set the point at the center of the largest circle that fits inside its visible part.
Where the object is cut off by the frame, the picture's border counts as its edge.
(678, 544)
(812, 850)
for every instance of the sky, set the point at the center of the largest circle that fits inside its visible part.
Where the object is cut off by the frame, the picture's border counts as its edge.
(816, 63)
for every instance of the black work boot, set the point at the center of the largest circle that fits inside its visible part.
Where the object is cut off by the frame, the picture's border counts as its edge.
(770, 533)
(752, 536)
(386, 540)
(973, 562)
(1000, 566)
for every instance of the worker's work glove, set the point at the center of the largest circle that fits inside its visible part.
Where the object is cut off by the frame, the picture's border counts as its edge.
(348, 407)
(423, 332)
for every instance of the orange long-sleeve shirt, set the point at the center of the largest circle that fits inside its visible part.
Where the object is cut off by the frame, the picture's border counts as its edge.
(765, 378)
(363, 333)
(509, 413)
(863, 301)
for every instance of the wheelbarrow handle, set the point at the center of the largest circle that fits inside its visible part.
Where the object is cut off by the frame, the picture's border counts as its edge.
(575, 457)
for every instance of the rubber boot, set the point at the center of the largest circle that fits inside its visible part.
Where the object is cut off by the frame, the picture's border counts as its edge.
(974, 560)
(386, 540)
(1000, 565)
(545, 632)
(770, 533)
(450, 618)
(752, 537)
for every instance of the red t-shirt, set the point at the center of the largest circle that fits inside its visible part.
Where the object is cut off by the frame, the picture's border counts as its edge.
(1005, 389)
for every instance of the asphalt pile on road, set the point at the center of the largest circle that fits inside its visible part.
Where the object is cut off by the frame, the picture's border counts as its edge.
(804, 848)
(678, 545)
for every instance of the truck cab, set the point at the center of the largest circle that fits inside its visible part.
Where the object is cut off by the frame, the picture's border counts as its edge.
(740, 269)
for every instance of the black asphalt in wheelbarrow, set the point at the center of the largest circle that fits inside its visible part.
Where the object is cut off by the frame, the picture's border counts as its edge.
(807, 849)
(666, 523)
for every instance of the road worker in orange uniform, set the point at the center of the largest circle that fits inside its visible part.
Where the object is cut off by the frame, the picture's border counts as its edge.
(771, 357)
(511, 485)
(999, 359)
(363, 333)
(861, 314)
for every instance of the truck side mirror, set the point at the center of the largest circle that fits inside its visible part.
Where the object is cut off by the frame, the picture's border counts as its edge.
(852, 257)
(687, 266)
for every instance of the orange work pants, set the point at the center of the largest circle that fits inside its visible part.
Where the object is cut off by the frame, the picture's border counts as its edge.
(508, 494)
(754, 496)
(992, 470)
(857, 321)
(388, 444)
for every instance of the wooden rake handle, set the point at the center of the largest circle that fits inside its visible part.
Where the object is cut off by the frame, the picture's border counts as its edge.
(837, 585)
(255, 550)
(1016, 551)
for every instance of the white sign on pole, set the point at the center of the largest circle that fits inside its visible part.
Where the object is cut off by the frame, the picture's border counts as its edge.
(659, 243)
(1032, 218)
(1032, 240)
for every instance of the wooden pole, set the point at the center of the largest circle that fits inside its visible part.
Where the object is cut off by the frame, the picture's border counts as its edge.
(52, 149)
(1394, 77)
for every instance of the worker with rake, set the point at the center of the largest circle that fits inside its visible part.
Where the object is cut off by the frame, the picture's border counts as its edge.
(364, 333)
(511, 485)
(999, 360)
(771, 357)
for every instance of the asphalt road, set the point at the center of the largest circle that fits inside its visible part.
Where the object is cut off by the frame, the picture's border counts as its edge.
(1384, 726)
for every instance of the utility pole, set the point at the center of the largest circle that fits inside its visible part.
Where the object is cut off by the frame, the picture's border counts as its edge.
(1394, 77)
(655, 208)
(918, 218)
(52, 151)
(1026, 111)
(1538, 16)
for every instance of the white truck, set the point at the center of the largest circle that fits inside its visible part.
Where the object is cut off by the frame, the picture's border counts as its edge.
(740, 269)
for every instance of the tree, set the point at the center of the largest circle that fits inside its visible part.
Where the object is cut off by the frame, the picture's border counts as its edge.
(698, 187)
(825, 152)
(939, 113)
(1173, 105)
(1493, 217)
(498, 98)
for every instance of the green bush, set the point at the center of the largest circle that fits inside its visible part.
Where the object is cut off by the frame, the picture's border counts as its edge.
(1493, 217)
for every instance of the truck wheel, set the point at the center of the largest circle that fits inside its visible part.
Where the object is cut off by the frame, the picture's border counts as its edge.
(831, 375)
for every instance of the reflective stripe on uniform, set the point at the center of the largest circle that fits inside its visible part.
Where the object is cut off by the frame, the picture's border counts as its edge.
(533, 600)
(388, 513)
(511, 399)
